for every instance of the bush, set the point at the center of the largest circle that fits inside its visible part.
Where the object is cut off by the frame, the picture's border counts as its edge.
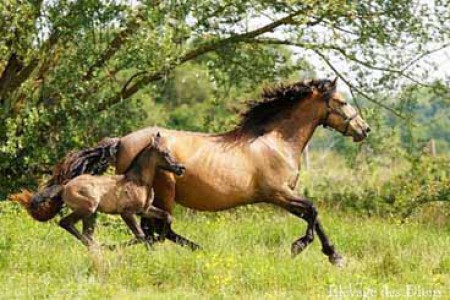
(427, 180)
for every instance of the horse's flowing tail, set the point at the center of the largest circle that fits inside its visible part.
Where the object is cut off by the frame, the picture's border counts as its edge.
(94, 161)
(42, 206)
(46, 203)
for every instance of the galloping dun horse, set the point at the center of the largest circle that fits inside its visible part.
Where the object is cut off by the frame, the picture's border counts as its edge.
(256, 162)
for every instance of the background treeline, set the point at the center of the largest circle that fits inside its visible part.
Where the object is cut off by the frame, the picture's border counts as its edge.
(73, 72)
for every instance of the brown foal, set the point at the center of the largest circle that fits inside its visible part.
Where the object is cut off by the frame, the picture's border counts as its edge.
(126, 195)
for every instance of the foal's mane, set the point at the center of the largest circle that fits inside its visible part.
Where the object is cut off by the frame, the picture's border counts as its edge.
(134, 165)
(277, 100)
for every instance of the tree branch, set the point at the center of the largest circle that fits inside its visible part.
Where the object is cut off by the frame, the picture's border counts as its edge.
(208, 47)
(353, 87)
(115, 45)
(421, 56)
(342, 52)
(13, 66)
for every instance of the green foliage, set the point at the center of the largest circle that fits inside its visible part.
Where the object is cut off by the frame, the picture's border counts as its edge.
(386, 192)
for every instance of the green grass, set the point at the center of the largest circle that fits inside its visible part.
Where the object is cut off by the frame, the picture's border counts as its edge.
(246, 254)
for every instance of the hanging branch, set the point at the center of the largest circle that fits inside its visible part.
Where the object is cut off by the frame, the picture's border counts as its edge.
(353, 87)
(147, 78)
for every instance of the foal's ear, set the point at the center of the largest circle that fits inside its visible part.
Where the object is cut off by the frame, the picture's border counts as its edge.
(157, 138)
(334, 83)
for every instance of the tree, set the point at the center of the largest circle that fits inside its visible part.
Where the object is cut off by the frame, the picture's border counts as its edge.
(72, 71)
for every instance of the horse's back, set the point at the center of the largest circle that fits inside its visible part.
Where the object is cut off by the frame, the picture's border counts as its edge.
(220, 173)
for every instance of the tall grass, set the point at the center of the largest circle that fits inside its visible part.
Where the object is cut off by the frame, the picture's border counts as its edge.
(246, 254)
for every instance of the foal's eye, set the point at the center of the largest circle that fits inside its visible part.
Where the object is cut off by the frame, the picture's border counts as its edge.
(340, 102)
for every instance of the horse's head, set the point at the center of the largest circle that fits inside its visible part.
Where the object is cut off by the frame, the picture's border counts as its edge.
(162, 156)
(341, 116)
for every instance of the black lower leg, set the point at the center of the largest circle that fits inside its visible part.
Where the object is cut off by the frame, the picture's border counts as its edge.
(327, 247)
(161, 230)
(132, 224)
(304, 209)
(68, 223)
(149, 227)
(180, 240)
(89, 226)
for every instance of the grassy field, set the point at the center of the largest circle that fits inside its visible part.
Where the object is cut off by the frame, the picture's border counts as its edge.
(246, 254)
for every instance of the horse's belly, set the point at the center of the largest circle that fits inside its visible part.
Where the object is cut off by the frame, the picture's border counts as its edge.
(213, 194)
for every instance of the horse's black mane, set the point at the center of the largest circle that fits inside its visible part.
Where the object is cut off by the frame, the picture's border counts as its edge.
(278, 99)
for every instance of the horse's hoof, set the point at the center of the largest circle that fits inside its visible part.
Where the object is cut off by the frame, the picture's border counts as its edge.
(337, 260)
(297, 248)
(195, 247)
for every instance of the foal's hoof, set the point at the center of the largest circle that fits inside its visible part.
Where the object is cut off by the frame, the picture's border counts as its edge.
(337, 260)
(110, 247)
(297, 247)
(94, 248)
(195, 247)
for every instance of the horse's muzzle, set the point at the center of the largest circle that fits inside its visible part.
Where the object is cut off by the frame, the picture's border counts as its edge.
(360, 135)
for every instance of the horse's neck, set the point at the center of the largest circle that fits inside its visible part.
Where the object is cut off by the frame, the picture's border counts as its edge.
(295, 130)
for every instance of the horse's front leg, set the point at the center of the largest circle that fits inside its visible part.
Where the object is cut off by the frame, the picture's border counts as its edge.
(327, 247)
(305, 209)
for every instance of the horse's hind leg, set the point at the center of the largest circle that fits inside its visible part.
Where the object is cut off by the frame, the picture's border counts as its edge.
(68, 223)
(182, 241)
(165, 230)
(164, 187)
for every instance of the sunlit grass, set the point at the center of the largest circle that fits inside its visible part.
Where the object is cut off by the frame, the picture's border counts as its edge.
(246, 254)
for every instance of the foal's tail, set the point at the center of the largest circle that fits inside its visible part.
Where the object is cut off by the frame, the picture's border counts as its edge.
(94, 161)
(43, 205)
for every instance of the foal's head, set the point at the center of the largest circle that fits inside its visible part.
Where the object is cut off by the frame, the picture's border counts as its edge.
(340, 115)
(159, 156)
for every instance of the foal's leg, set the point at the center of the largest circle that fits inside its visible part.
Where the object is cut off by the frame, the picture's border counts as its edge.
(139, 234)
(152, 212)
(89, 227)
(68, 223)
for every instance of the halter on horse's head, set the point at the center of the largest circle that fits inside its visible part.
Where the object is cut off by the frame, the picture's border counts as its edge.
(341, 116)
